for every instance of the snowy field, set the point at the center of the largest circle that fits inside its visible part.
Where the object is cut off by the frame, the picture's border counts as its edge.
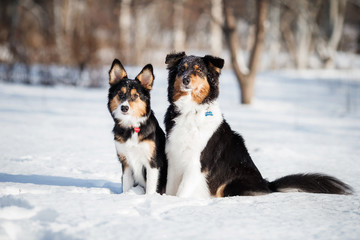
(60, 178)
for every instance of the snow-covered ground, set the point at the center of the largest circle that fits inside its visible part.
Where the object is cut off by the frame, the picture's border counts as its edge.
(60, 178)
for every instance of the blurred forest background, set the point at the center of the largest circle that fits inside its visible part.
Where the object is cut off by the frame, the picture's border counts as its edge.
(73, 41)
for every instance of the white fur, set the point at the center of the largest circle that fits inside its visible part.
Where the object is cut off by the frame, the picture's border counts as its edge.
(127, 119)
(138, 154)
(127, 179)
(187, 139)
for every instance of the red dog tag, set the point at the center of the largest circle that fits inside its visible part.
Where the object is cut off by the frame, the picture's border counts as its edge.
(137, 129)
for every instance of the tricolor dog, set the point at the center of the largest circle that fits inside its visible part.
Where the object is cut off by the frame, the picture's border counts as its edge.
(206, 158)
(139, 140)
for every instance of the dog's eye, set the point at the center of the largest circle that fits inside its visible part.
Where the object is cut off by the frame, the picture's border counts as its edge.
(182, 69)
(134, 96)
(121, 95)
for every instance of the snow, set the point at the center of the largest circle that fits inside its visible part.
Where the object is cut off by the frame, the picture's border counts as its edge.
(60, 178)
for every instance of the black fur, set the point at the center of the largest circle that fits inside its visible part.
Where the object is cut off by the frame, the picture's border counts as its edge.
(312, 183)
(225, 159)
(170, 115)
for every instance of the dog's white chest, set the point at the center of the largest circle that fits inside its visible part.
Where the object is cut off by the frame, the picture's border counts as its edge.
(137, 156)
(192, 130)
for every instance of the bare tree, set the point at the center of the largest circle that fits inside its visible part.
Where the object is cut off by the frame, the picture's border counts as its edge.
(302, 29)
(61, 16)
(246, 80)
(302, 35)
(215, 27)
(298, 24)
(85, 33)
(140, 35)
(124, 26)
(179, 29)
(274, 35)
(328, 39)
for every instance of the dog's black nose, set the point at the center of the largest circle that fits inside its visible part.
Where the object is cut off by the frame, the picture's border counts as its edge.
(186, 80)
(124, 108)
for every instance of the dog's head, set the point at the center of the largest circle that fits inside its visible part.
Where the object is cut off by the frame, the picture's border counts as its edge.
(129, 99)
(195, 76)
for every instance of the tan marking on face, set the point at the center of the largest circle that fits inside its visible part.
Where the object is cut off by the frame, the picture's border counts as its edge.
(220, 191)
(133, 92)
(123, 90)
(178, 93)
(185, 65)
(200, 88)
(196, 67)
(137, 105)
(114, 103)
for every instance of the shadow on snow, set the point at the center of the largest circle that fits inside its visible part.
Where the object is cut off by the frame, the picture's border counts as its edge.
(61, 181)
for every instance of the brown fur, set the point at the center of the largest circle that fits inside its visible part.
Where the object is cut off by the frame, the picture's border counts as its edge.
(220, 191)
(114, 103)
(200, 88)
(178, 93)
(119, 138)
(123, 90)
(123, 161)
(152, 147)
(137, 105)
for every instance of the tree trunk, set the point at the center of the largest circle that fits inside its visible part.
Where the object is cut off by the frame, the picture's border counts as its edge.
(336, 19)
(139, 40)
(287, 34)
(124, 27)
(179, 31)
(255, 57)
(247, 89)
(246, 80)
(60, 13)
(229, 29)
(274, 33)
(215, 27)
(303, 37)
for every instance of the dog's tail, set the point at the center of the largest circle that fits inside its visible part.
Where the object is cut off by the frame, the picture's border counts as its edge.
(312, 183)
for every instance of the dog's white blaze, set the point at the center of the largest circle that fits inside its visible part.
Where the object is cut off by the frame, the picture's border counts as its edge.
(128, 119)
(187, 139)
(137, 155)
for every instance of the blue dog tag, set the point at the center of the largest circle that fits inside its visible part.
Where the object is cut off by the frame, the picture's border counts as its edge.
(209, 113)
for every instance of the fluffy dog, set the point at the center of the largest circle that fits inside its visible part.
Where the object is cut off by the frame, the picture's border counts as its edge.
(205, 157)
(139, 140)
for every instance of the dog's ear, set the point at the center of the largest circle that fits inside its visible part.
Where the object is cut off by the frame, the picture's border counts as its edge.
(146, 77)
(117, 72)
(173, 59)
(214, 62)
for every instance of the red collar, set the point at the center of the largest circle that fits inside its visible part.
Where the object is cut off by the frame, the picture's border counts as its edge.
(136, 129)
